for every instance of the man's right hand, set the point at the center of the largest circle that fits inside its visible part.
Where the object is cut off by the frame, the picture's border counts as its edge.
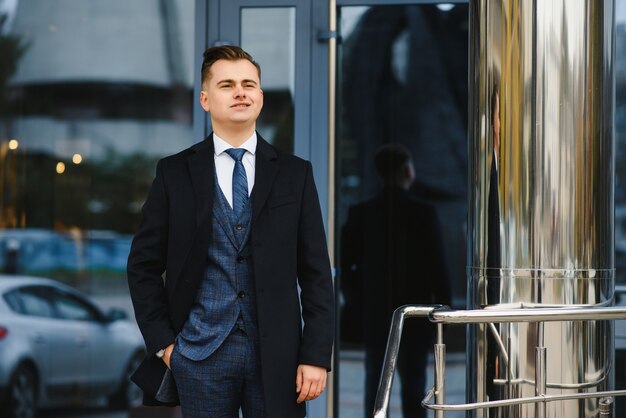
(167, 354)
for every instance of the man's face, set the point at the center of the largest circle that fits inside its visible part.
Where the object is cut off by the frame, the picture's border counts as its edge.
(232, 94)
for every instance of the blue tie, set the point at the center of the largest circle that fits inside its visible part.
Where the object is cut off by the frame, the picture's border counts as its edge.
(240, 181)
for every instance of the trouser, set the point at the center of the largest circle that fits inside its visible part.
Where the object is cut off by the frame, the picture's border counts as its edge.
(222, 384)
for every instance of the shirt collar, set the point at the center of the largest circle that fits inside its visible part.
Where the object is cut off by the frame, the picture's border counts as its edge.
(221, 145)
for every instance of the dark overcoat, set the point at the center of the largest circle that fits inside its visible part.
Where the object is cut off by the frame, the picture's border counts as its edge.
(288, 248)
(392, 255)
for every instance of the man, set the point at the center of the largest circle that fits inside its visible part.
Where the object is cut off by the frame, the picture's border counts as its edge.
(236, 225)
(391, 255)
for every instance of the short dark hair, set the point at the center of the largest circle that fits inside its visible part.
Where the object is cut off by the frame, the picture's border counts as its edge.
(224, 52)
(390, 160)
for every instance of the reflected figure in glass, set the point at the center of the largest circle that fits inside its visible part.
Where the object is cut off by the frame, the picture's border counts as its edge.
(391, 256)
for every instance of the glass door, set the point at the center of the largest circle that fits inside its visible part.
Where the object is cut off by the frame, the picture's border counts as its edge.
(276, 33)
(401, 175)
(279, 35)
(401, 79)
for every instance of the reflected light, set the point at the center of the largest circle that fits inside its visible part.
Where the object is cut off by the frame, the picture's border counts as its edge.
(445, 7)
(77, 158)
(13, 144)
(60, 168)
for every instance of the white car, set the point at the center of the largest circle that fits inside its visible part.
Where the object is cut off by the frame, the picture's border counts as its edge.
(58, 348)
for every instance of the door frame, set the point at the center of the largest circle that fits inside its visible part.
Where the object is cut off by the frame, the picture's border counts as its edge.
(310, 118)
(310, 101)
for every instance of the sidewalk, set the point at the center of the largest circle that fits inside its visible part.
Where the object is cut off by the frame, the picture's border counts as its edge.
(352, 378)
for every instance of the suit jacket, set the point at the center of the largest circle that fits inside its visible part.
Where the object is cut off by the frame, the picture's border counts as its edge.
(391, 255)
(288, 248)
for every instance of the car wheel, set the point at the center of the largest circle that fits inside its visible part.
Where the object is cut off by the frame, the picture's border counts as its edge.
(22, 394)
(128, 394)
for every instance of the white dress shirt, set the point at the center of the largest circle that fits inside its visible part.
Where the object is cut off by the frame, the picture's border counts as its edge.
(224, 164)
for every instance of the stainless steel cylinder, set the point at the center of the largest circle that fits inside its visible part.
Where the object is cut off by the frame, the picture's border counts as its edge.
(540, 221)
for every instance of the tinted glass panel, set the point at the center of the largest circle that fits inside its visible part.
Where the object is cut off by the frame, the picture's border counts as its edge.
(35, 303)
(94, 93)
(269, 34)
(13, 300)
(69, 307)
(402, 83)
(620, 198)
(620, 141)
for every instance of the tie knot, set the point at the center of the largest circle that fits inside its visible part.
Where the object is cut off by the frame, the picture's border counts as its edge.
(236, 153)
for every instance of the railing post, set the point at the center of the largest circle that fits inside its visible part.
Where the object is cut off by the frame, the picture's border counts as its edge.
(606, 407)
(540, 380)
(381, 403)
(440, 371)
(540, 371)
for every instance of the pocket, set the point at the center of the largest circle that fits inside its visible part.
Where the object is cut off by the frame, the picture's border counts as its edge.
(281, 200)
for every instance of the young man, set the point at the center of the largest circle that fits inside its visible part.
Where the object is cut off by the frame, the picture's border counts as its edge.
(236, 225)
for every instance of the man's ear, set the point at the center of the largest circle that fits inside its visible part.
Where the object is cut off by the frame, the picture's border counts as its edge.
(204, 100)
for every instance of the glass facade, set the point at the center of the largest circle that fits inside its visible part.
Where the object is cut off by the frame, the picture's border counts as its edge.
(92, 94)
(402, 92)
(269, 34)
(620, 142)
(620, 196)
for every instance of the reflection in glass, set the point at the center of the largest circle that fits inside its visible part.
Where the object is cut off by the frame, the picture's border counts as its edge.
(99, 110)
(92, 93)
(402, 81)
(620, 142)
(620, 196)
(269, 35)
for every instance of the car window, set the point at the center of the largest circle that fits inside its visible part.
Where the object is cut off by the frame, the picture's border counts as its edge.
(71, 307)
(35, 303)
(12, 299)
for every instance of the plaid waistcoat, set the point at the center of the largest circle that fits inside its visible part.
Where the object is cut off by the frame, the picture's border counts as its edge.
(226, 295)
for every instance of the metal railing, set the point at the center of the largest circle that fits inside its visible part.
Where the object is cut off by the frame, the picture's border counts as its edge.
(441, 315)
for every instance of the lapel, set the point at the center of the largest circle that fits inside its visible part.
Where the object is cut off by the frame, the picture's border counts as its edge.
(266, 168)
(202, 168)
(224, 216)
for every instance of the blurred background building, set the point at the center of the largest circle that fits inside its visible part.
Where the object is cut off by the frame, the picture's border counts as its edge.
(94, 93)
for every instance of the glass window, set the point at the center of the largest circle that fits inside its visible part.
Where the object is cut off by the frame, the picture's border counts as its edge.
(92, 94)
(12, 299)
(70, 307)
(620, 141)
(34, 302)
(269, 34)
(401, 211)
(620, 198)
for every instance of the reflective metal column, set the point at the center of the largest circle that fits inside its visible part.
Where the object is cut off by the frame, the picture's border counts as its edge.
(540, 220)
